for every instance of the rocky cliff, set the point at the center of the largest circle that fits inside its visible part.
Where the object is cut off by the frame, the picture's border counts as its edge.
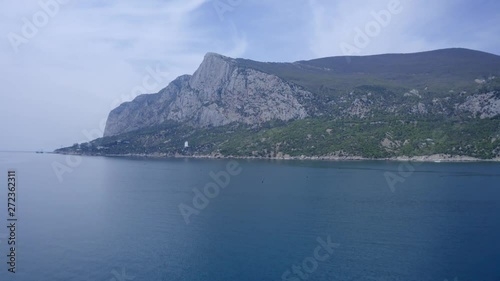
(220, 92)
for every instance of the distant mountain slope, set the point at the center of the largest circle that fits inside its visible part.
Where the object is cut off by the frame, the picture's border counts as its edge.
(237, 99)
(438, 71)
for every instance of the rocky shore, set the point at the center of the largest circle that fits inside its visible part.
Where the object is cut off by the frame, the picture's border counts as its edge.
(437, 158)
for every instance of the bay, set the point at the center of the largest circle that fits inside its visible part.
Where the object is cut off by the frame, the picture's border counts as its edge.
(120, 219)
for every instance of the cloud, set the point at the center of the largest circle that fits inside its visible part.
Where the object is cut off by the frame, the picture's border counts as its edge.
(421, 25)
(91, 53)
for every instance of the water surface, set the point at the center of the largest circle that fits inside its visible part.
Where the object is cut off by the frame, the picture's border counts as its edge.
(119, 219)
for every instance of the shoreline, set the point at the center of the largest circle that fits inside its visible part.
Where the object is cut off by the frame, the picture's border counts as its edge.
(437, 158)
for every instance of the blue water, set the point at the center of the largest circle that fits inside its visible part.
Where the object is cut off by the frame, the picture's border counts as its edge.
(119, 219)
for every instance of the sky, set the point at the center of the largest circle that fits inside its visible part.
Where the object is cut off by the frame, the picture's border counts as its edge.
(66, 63)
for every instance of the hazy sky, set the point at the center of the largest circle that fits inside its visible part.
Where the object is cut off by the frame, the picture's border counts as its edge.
(66, 64)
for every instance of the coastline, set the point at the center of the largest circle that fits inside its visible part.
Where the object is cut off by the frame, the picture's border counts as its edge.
(436, 158)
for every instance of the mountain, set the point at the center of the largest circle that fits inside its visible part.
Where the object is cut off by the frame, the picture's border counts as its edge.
(444, 101)
(220, 92)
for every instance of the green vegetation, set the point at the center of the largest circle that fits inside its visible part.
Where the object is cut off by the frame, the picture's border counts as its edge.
(437, 71)
(312, 137)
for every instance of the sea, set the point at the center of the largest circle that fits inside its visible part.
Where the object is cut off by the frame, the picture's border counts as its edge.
(118, 219)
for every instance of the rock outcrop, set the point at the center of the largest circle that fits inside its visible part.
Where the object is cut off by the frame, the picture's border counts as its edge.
(220, 92)
(482, 105)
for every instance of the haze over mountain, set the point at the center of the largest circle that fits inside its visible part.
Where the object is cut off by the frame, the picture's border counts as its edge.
(408, 104)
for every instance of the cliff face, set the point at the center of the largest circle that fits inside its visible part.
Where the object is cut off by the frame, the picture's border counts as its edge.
(220, 92)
